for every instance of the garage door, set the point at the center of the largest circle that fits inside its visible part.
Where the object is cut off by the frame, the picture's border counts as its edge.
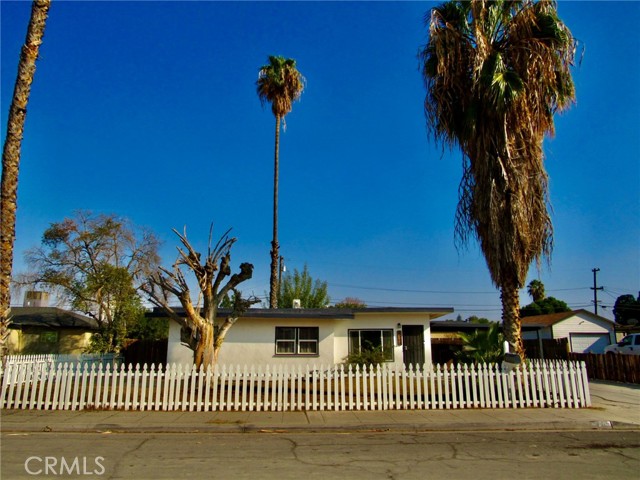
(589, 342)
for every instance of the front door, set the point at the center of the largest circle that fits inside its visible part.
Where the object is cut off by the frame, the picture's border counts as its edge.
(413, 345)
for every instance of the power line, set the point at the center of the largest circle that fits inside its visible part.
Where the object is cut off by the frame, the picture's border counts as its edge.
(405, 290)
(454, 292)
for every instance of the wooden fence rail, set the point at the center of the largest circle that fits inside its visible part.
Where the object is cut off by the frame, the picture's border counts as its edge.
(281, 388)
(613, 367)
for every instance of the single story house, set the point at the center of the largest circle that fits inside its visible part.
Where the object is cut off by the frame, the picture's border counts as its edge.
(323, 336)
(39, 330)
(586, 332)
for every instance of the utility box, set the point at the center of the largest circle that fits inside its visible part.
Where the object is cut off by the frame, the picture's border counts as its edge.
(510, 362)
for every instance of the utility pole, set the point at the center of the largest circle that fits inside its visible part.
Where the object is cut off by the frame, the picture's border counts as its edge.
(595, 289)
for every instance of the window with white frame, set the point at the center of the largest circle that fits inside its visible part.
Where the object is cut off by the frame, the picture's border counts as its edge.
(297, 340)
(371, 339)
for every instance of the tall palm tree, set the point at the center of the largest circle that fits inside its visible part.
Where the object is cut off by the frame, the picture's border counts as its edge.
(280, 84)
(11, 158)
(495, 74)
(535, 289)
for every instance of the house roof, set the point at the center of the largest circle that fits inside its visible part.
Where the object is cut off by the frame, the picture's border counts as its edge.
(51, 317)
(328, 313)
(544, 321)
(456, 326)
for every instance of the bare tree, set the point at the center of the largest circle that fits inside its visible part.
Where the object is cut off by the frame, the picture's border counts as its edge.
(200, 317)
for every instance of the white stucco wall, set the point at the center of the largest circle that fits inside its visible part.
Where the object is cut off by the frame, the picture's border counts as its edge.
(176, 352)
(251, 341)
(381, 321)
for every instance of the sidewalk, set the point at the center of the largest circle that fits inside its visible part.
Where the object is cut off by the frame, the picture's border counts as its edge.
(614, 406)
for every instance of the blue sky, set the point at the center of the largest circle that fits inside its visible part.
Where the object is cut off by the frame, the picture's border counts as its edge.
(148, 110)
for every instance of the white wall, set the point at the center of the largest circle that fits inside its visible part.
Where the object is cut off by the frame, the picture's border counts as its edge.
(582, 322)
(177, 352)
(382, 321)
(252, 340)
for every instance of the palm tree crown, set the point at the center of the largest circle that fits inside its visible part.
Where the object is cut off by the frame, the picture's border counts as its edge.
(535, 289)
(495, 74)
(280, 84)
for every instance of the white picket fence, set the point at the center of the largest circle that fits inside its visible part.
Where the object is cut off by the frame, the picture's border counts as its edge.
(105, 359)
(282, 388)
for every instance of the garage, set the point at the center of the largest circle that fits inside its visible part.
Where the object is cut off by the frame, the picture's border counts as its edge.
(589, 342)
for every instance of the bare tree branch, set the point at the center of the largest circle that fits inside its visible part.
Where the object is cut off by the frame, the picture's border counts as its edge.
(206, 335)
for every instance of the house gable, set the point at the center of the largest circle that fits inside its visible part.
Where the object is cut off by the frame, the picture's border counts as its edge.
(584, 330)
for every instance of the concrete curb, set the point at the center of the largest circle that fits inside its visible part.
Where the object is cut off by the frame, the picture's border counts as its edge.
(239, 428)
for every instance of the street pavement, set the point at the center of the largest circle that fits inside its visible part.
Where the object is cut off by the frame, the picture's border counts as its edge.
(615, 406)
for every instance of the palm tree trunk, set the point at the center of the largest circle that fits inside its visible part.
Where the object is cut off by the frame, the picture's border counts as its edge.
(11, 158)
(275, 248)
(511, 324)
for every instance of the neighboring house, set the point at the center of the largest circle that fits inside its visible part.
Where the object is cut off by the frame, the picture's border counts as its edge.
(35, 330)
(586, 332)
(445, 338)
(323, 336)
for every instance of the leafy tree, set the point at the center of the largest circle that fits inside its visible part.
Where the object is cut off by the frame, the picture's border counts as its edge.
(149, 329)
(476, 319)
(495, 74)
(351, 302)
(96, 263)
(11, 158)
(280, 84)
(482, 346)
(300, 285)
(626, 310)
(114, 286)
(207, 330)
(535, 289)
(544, 307)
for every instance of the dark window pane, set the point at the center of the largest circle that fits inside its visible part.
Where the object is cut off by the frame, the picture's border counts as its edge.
(285, 347)
(387, 346)
(308, 333)
(354, 341)
(285, 333)
(370, 339)
(308, 347)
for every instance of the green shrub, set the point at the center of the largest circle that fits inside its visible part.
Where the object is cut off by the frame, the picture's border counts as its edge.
(367, 356)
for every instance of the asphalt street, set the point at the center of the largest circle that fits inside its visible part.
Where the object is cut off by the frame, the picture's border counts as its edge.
(324, 455)
(602, 441)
